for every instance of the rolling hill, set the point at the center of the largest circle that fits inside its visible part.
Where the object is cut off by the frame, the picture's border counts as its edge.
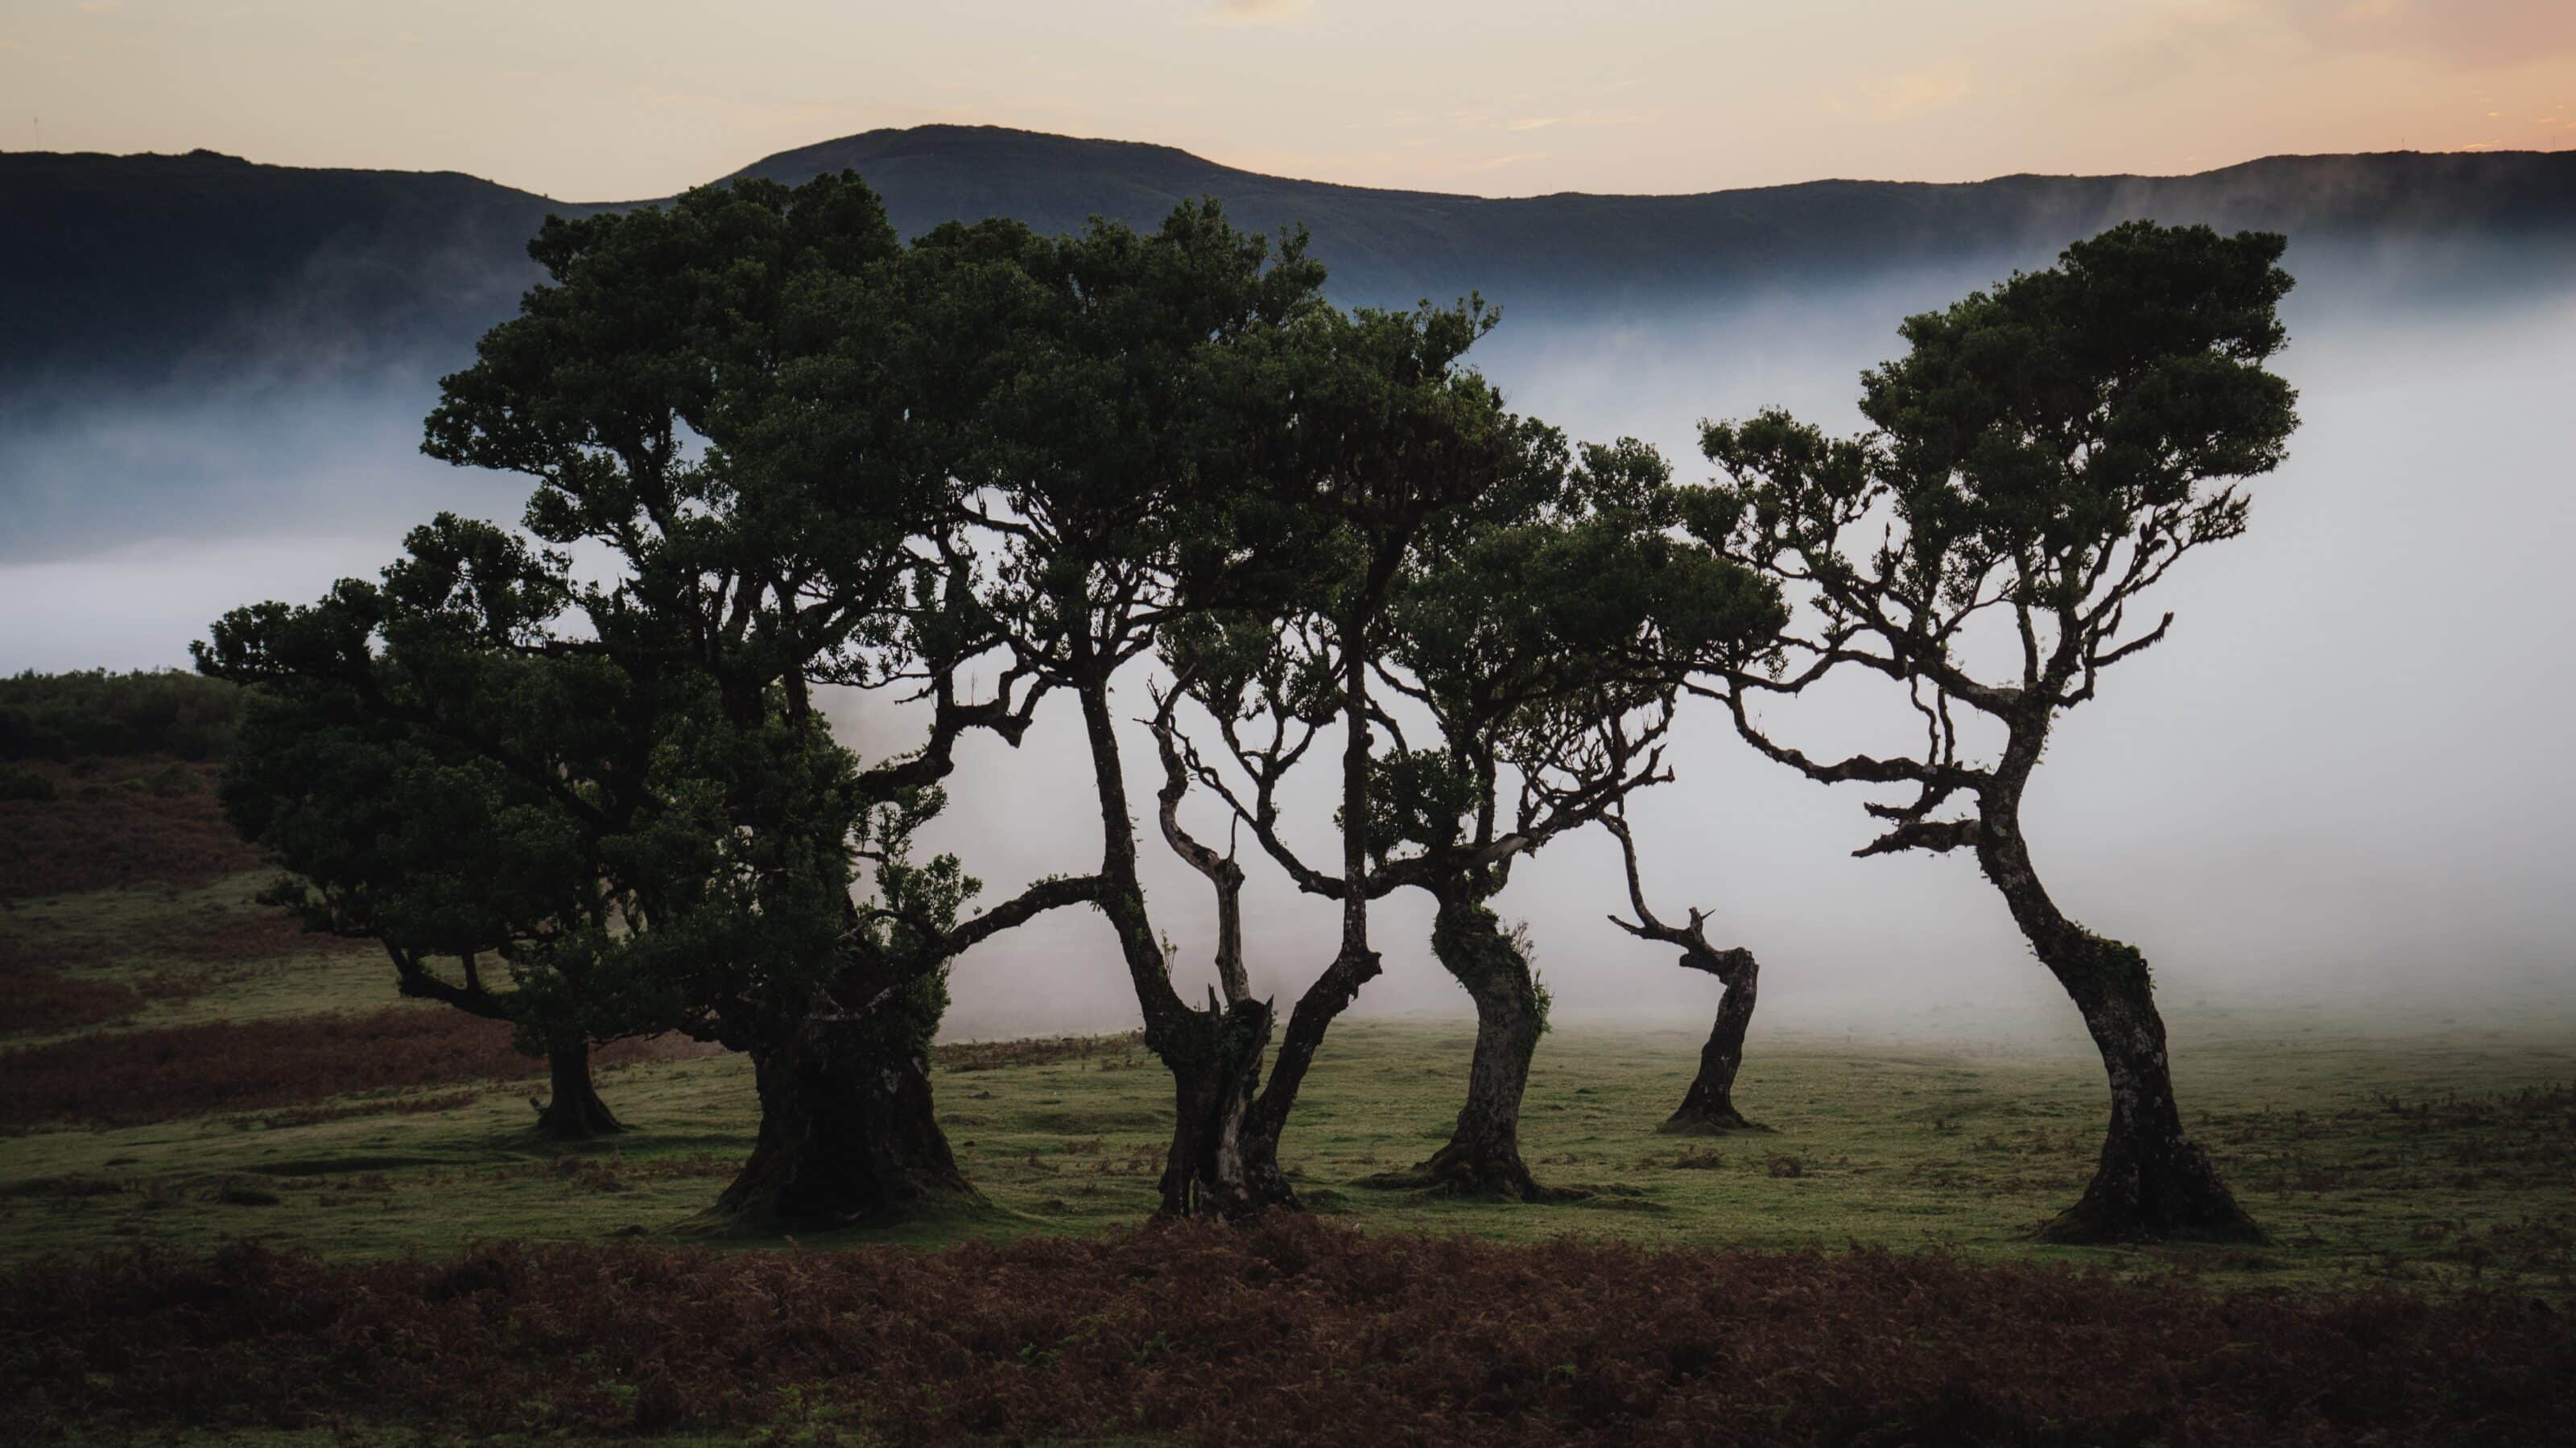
(153, 267)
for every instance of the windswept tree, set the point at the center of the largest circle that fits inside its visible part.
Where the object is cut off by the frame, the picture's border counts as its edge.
(1177, 430)
(2040, 458)
(730, 402)
(1521, 660)
(1365, 431)
(1544, 635)
(1708, 1106)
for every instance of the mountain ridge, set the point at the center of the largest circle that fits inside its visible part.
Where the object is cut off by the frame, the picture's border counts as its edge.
(168, 266)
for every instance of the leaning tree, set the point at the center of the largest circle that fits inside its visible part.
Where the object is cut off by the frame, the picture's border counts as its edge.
(2040, 458)
(1177, 443)
(1094, 422)
(1363, 433)
(1542, 636)
(1520, 659)
(1708, 1106)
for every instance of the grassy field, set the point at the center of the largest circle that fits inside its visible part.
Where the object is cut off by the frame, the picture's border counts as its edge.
(349, 1227)
(2434, 1158)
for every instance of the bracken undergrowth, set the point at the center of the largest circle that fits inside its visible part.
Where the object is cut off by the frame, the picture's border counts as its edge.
(170, 1073)
(1286, 1330)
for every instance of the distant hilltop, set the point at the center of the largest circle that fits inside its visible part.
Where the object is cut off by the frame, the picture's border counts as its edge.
(157, 264)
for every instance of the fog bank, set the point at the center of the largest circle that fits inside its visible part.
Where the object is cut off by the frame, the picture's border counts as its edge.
(2339, 779)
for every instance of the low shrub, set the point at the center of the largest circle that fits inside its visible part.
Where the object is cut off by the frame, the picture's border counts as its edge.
(65, 716)
(38, 999)
(133, 823)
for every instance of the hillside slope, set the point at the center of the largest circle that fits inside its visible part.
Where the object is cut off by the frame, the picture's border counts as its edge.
(168, 263)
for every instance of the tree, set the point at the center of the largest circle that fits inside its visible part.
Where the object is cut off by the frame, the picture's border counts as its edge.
(1144, 458)
(730, 402)
(1708, 1107)
(1361, 432)
(1545, 634)
(388, 833)
(2043, 455)
(1539, 622)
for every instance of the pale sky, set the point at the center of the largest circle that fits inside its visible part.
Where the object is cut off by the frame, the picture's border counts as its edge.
(621, 99)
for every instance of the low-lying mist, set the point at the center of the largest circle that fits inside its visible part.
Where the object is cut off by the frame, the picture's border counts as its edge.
(130, 518)
(2342, 778)
(2339, 780)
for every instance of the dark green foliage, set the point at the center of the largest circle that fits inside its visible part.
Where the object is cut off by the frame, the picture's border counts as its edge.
(1367, 433)
(2048, 448)
(1548, 629)
(626, 789)
(77, 715)
(576, 777)
(1128, 438)
(1459, 561)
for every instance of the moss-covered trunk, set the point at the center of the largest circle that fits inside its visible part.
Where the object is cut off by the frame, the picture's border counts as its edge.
(1483, 1155)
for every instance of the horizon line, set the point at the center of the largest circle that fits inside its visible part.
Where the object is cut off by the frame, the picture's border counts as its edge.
(935, 126)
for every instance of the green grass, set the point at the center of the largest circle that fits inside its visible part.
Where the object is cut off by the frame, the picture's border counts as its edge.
(2374, 1154)
(127, 935)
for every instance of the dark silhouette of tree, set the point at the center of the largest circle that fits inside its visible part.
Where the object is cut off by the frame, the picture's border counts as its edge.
(1545, 636)
(737, 402)
(1708, 1107)
(1530, 648)
(2041, 457)
(1184, 432)
(1362, 431)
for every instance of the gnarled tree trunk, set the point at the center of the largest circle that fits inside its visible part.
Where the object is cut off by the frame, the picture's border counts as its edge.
(846, 1137)
(1483, 1156)
(2153, 1181)
(1214, 1055)
(1709, 1106)
(575, 1112)
(1214, 1168)
(1315, 1012)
